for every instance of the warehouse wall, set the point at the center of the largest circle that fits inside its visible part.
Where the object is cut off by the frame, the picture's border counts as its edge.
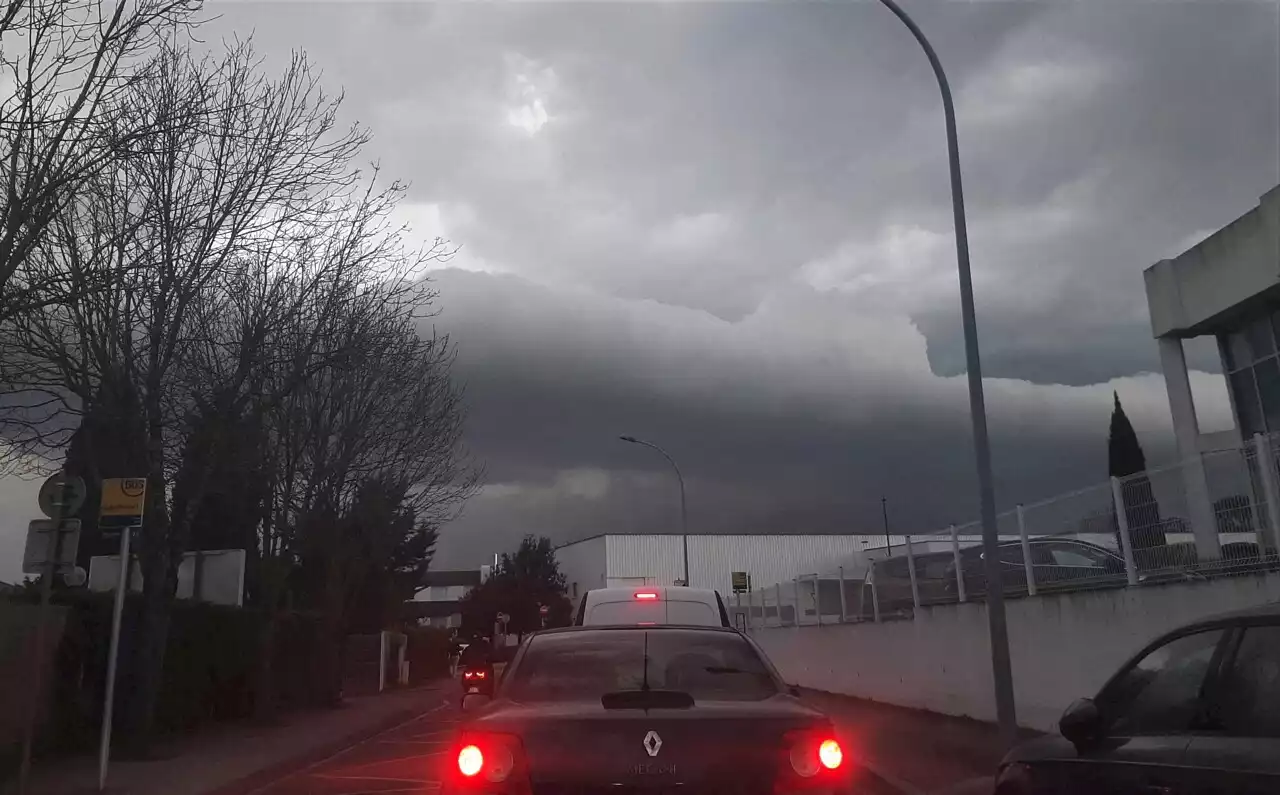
(583, 565)
(713, 559)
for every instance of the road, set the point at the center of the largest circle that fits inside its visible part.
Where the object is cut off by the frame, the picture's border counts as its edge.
(409, 758)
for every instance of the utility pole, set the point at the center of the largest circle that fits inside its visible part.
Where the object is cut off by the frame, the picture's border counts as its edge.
(1001, 669)
(884, 511)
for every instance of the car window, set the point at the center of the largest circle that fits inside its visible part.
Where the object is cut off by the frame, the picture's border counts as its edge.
(1160, 694)
(1072, 555)
(1011, 554)
(631, 611)
(1249, 695)
(582, 666)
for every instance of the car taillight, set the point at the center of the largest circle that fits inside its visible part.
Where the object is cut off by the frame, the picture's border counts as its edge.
(486, 758)
(815, 760)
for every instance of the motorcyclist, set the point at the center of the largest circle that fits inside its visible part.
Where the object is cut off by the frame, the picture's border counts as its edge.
(476, 663)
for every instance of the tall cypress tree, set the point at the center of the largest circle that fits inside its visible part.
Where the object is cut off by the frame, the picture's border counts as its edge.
(1125, 460)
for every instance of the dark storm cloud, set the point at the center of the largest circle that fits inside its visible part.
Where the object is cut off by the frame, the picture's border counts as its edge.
(729, 229)
(798, 417)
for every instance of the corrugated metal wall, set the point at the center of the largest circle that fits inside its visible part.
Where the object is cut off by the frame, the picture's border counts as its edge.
(583, 563)
(712, 559)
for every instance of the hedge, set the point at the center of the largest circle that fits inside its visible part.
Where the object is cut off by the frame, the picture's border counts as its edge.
(210, 666)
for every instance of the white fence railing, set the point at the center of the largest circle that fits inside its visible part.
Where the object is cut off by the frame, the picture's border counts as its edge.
(1128, 532)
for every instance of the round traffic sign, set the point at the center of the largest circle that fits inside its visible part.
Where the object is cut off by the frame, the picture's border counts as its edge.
(543, 609)
(61, 495)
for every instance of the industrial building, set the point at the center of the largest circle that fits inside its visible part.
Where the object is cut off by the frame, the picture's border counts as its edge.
(658, 559)
(437, 602)
(1228, 287)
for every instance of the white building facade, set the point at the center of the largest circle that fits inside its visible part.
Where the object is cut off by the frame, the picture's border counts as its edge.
(1228, 287)
(620, 560)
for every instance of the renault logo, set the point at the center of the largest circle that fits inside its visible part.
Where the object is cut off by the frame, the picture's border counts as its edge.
(652, 743)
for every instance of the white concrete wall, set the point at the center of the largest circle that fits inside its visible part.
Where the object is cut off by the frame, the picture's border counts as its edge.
(1063, 647)
(1233, 265)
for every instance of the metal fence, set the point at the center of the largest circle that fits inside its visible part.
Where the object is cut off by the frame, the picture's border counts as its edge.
(1129, 532)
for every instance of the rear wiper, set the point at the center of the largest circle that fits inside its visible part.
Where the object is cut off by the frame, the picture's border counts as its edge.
(647, 699)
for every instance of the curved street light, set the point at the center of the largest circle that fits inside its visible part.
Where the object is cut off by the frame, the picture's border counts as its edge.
(1001, 670)
(684, 520)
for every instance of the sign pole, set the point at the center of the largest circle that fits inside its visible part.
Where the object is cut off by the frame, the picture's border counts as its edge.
(108, 703)
(37, 674)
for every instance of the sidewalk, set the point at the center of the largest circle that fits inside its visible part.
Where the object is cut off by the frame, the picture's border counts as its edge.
(234, 759)
(916, 751)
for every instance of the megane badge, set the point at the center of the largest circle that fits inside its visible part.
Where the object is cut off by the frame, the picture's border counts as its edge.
(652, 743)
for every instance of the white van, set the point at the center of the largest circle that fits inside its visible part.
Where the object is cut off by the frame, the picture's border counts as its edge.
(645, 605)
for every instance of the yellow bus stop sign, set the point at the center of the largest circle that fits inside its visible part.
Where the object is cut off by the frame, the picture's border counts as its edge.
(123, 501)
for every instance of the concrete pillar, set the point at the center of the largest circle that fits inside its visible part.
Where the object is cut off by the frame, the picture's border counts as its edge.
(1186, 430)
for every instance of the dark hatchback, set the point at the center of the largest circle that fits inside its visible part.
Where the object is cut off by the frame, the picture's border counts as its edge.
(654, 710)
(1197, 712)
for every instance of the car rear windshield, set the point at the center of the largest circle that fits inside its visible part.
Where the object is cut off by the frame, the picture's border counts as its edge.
(582, 666)
(668, 611)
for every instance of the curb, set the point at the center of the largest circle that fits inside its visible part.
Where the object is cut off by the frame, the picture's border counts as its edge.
(260, 779)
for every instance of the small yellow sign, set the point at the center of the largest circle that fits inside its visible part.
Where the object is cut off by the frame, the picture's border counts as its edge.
(123, 497)
(740, 581)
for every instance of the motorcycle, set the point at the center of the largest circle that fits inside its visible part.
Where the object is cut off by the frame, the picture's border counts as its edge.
(477, 679)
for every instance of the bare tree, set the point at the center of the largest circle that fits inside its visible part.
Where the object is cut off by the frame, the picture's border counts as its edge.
(238, 213)
(64, 64)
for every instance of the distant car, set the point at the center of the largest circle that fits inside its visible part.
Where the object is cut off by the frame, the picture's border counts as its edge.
(1056, 564)
(651, 605)
(645, 710)
(1195, 712)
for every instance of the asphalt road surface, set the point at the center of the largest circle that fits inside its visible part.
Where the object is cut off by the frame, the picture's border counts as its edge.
(410, 758)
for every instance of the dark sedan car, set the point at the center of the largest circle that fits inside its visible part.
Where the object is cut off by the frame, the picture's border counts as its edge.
(625, 710)
(1197, 712)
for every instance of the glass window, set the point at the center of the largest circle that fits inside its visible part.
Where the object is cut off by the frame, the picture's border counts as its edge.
(1249, 701)
(1261, 341)
(1236, 346)
(583, 666)
(1161, 693)
(1267, 375)
(1245, 395)
(701, 613)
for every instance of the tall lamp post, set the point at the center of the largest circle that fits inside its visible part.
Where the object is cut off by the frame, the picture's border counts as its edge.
(1001, 670)
(684, 519)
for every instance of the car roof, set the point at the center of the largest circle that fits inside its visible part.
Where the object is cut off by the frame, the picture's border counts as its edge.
(1270, 610)
(635, 628)
(661, 589)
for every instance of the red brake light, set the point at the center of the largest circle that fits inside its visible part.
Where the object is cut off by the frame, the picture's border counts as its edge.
(814, 756)
(493, 758)
(830, 754)
(470, 761)
(646, 595)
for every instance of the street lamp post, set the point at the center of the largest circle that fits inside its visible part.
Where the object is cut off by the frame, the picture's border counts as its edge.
(1001, 669)
(684, 518)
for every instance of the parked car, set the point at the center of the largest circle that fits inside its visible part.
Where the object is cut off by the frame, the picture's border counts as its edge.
(1056, 564)
(893, 582)
(652, 605)
(1195, 712)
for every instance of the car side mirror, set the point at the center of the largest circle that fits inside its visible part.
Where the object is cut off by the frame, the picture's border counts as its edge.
(474, 701)
(1081, 723)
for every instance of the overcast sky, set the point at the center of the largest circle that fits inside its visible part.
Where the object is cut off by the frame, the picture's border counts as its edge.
(726, 227)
